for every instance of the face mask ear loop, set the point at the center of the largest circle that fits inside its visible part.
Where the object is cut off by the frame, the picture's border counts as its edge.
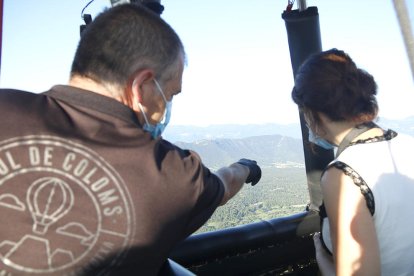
(143, 113)
(160, 90)
(163, 97)
(140, 105)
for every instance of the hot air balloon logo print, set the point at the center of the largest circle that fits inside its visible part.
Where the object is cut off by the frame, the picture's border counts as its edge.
(55, 216)
(48, 199)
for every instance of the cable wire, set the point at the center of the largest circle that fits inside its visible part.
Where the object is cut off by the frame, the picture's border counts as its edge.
(85, 8)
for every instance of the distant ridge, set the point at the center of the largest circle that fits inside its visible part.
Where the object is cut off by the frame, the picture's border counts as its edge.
(231, 131)
(181, 133)
(268, 150)
(273, 145)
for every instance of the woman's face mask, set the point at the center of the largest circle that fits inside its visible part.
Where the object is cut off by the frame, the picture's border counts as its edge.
(157, 129)
(313, 138)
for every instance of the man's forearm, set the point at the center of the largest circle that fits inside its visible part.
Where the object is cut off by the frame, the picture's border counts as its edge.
(235, 175)
(233, 178)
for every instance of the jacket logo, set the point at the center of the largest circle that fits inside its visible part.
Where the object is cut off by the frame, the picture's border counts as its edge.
(61, 206)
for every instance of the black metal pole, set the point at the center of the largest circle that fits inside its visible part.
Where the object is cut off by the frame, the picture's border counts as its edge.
(304, 39)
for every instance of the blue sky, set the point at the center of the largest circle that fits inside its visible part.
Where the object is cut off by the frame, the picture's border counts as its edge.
(238, 57)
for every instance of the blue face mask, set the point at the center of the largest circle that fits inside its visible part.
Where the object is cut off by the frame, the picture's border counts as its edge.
(157, 129)
(319, 141)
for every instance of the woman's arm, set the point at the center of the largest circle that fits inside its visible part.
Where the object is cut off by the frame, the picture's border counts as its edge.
(354, 239)
(325, 261)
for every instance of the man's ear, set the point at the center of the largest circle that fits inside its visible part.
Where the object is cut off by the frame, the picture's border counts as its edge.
(140, 79)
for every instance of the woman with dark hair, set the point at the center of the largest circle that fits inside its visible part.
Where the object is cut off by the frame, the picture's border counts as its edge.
(368, 190)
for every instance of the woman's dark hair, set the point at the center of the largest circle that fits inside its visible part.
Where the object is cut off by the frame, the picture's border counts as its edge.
(123, 40)
(329, 82)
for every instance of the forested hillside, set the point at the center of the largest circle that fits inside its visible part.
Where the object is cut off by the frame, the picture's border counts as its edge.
(282, 190)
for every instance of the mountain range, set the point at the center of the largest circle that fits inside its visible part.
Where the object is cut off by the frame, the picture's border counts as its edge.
(182, 133)
(271, 145)
(277, 148)
(267, 150)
